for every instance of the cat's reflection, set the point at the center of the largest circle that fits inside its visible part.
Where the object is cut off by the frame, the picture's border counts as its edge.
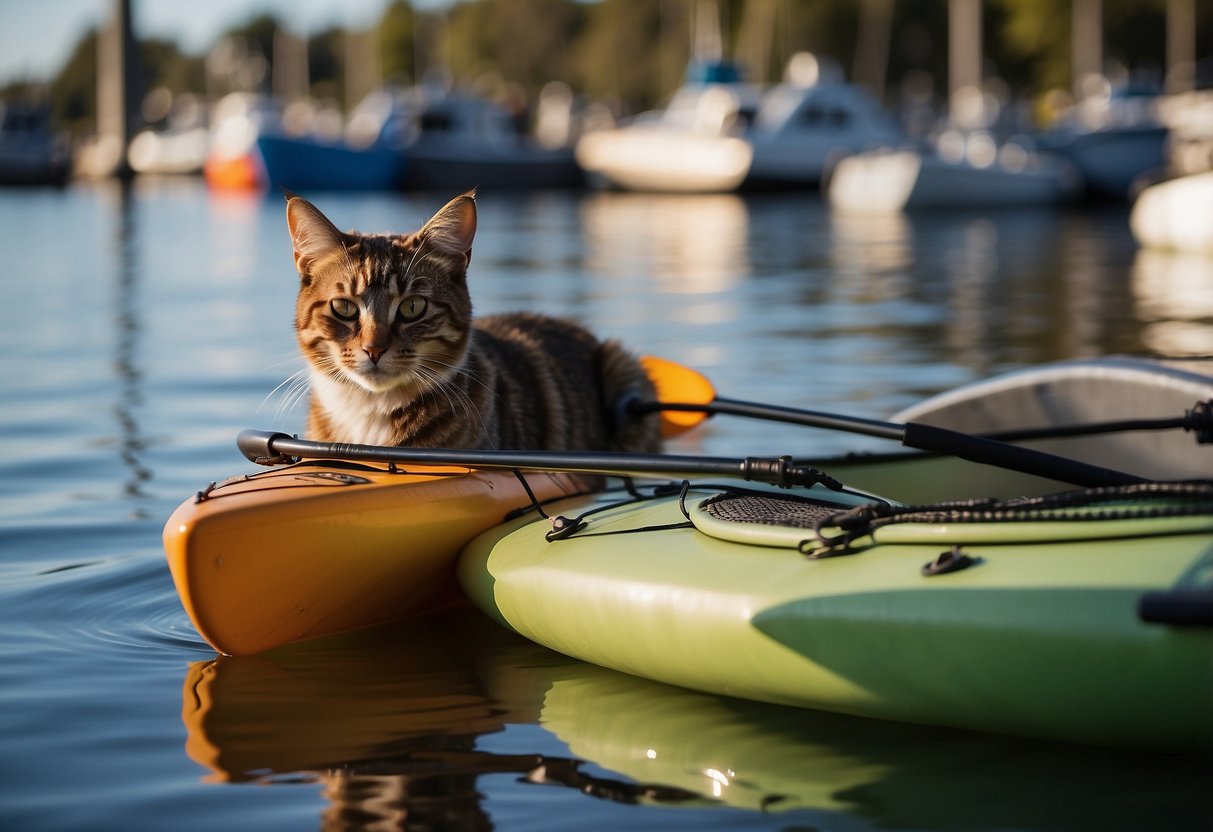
(390, 721)
(324, 704)
(437, 790)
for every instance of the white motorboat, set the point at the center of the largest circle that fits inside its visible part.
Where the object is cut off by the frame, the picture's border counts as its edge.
(810, 121)
(721, 135)
(1113, 137)
(1176, 214)
(694, 145)
(965, 171)
(170, 151)
(180, 140)
(465, 141)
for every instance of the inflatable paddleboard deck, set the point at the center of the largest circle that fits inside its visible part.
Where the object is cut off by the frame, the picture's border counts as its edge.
(1084, 616)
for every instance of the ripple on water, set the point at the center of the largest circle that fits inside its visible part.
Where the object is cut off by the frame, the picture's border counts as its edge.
(124, 606)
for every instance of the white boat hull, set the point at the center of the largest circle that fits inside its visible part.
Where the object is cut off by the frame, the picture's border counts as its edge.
(1177, 214)
(892, 181)
(655, 159)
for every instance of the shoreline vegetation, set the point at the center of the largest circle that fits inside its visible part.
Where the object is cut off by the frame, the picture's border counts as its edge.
(628, 54)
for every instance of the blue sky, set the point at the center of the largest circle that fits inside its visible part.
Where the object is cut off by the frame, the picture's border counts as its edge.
(37, 35)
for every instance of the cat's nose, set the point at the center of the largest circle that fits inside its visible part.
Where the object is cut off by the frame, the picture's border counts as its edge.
(374, 353)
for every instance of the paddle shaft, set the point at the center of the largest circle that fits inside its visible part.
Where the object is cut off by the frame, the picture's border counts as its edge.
(924, 438)
(269, 448)
(1090, 429)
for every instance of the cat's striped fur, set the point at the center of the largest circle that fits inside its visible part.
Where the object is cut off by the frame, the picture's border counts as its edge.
(385, 322)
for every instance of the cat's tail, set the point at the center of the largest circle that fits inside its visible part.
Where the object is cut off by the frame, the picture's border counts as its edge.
(624, 380)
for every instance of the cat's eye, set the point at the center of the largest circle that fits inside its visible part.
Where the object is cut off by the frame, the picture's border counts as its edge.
(411, 308)
(344, 308)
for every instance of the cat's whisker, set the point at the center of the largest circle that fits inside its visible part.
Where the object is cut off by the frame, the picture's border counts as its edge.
(461, 370)
(408, 270)
(429, 381)
(436, 384)
(456, 395)
(298, 392)
(470, 407)
(288, 382)
(435, 378)
(292, 358)
(298, 387)
(287, 389)
(417, 259)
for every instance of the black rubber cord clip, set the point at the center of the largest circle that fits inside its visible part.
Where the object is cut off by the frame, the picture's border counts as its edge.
(564, 527)
(1199, 420)
(782, 472)
(953, 560)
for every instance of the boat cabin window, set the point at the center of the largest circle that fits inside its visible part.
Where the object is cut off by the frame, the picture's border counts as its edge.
(744, 119)
(820, 117)
(21, 120)
(437, 121)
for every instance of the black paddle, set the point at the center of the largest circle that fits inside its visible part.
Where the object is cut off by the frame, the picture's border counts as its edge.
(269, 448)
(1198, 420)
(685, 398)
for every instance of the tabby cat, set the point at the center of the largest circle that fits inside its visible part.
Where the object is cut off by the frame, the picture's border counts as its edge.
(385, 322)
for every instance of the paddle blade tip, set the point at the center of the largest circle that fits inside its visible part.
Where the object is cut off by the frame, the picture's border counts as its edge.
(678, 383)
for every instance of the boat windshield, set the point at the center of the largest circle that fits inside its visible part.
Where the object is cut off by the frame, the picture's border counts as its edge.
(710, 108)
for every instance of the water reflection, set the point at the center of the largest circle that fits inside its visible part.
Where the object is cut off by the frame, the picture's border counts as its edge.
(1008, 287)
(775, 759)
(390, 721)
(865, 245)
(166, 314)
(977, 289)
(398, 727)
(237, 240)
(1173, 293)
(128, 332)
(334, 702)
(695, 245)
(778, 298)
(684, 256)
(998, 273)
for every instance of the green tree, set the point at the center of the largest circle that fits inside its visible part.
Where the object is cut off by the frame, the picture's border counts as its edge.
(1036, 37)
(526, 42)
(164, 65)
(1135, 33)
(242, 58)
(632, 53)
(326, 65)
(74, 88)
(397, 42)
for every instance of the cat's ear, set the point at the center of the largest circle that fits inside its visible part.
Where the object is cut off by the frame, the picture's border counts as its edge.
(312, 235)
(451, 230)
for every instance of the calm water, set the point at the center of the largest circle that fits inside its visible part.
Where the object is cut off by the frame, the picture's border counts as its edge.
(145, 328)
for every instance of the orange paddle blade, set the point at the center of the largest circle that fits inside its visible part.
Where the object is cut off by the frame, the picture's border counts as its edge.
(680, 384)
